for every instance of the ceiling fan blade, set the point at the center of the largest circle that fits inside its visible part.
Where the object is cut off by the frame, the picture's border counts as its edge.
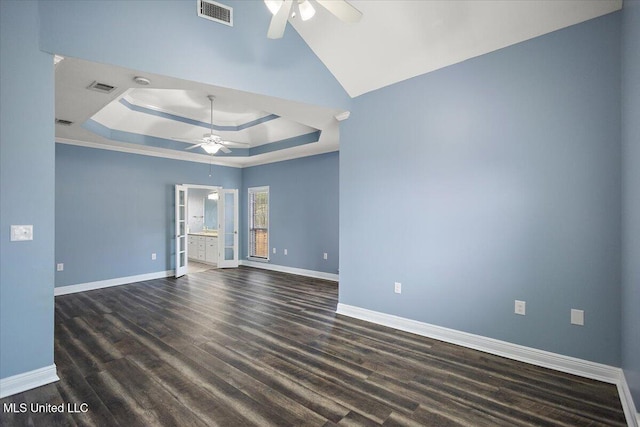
(196, 146)
(225, 142)
(192, 140)
(224, 149)
(341, 9)
(279, 21)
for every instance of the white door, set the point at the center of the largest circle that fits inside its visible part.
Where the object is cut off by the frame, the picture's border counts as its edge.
(228, 228)
(181, 230)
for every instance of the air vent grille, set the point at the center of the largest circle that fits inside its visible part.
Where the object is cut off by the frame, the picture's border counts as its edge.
(63, 122)
(101, 87)
(215, 12)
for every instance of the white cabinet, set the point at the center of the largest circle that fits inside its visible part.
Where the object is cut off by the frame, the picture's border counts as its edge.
(203, 248)
(192, 247)
(211, 250)
(196, 247)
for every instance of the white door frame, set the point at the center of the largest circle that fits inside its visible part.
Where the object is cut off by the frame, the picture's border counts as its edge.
(219, 189)
(228, 238)
(180, 228)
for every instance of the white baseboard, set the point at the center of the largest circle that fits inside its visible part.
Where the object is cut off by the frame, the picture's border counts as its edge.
(630, 410)
(546, 359)
(27, 380)
(82, 287)
(292, 270)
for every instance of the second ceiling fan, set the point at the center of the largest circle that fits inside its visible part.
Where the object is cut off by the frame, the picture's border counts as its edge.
(282, 10)
(210, 142)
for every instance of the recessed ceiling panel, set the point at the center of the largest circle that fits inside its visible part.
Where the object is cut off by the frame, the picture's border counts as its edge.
(171, 115)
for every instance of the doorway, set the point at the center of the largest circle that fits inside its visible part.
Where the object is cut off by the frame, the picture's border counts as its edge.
(206, 228)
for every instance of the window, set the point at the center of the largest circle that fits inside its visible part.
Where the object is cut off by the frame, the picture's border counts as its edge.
(259, 223)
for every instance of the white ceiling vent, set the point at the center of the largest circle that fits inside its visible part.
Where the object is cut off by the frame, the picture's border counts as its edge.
(101, 87)
(215, 12)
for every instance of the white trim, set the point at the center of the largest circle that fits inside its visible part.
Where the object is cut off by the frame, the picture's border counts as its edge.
(546, 359)
(203, 187)
(291, 270)
(250, 191)
(164, 153)
(82, 287)
(530, 355)
(28, 380)
(232, 162)
(629, 408)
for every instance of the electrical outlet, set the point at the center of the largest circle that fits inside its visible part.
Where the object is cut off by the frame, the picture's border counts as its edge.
(325, 256)
(577, 317)
(520, 307)
(153, 256)
(60, 266)
(274, 250)
(21, 233)
(397, 287)
(285, 251)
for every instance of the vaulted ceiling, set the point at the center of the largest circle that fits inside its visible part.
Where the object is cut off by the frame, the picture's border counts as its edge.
(399, 39)
(395, 40)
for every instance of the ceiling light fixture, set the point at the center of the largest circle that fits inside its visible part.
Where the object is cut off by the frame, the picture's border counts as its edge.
(142, 80)
(306, 10)
(211, 148)
(304, 6)
(273, 5)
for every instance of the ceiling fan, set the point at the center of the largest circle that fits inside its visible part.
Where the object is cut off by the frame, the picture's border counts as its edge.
(282, 10)
(210, 142)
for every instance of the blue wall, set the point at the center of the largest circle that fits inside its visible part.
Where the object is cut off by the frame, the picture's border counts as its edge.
(26, 192)
(164, 37)
(488, 181)
(114, 209)
(303, 208)
(631, 197)
(500, 176)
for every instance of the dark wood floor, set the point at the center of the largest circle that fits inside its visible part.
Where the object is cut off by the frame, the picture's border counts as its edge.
(249, 347)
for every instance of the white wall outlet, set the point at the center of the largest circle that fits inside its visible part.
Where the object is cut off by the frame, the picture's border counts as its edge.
(274, 250)
(325, 256)
(21, 233)
(520, 307)
(60, 266)
(577, 317)
(397, 287)
(153, 256)
(285, 251)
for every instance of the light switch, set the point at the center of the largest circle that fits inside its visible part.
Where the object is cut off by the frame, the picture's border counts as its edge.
(21, 233)
(577, 317)
(520, 307)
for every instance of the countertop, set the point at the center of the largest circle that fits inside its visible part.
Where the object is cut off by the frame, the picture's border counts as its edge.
(204, 233)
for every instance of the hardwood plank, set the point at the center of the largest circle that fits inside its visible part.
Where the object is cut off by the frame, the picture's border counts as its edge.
(244, 347)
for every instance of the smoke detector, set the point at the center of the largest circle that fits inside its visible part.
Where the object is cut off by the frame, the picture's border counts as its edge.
(142, 80)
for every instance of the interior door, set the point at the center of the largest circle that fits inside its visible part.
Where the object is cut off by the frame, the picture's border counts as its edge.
(228, 228)
(181, 230)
